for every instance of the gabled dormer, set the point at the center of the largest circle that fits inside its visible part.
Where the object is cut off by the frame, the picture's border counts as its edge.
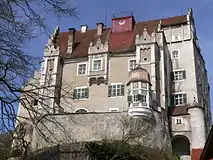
(145, 37)
(98, 62)
(50, 76)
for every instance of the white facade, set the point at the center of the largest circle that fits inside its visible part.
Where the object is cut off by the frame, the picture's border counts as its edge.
(174, 77)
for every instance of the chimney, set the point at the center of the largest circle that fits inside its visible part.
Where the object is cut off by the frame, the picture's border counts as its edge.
(84, 28)
(100, 28)
(71, 38)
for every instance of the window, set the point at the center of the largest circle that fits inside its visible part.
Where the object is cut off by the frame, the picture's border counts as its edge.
(82, 69)
(96, 66)
(113, 109)
(145, 58)
(179, 99)
(132, 64)
(50, 65)
(81, 93)
(179, 75)
(175, 54)
(116, 90)
(178, 121)
(176, 37)
(139, 97)
(81, 110)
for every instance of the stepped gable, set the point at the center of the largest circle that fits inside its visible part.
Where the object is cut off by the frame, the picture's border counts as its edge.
(118, 42)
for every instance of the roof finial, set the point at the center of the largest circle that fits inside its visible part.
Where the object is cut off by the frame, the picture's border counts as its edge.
(190, 12)
(159, 25)
(195, 103)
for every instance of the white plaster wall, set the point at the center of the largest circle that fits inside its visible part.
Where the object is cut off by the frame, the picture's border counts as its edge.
(184, 127)
(197, 127)
(186, 62)
(183, 30)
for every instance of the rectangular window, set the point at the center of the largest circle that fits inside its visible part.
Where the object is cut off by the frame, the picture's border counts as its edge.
(175, 54)
(96, 66)
(178, 121)
(132, 64)
(179, 99)
(116, 90)
(82, 69)
(113, 109)
(179, 75)
(139, 98)
(81, 93)
(50, 65)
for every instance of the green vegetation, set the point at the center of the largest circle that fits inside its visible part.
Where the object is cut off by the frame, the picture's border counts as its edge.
(120, 150)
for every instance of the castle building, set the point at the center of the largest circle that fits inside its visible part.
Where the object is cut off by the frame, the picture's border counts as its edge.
(149, 70)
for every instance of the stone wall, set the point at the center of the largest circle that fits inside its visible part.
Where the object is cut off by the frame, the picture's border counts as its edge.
(69, 128)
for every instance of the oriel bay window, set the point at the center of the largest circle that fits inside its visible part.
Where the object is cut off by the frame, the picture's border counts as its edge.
(138, 96)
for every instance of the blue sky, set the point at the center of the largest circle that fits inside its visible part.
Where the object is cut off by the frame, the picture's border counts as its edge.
(92, 11)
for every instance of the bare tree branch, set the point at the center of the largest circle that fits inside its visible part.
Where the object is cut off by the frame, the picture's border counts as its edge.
(19, 83)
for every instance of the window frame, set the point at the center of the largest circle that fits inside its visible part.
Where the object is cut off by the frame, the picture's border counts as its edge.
(172, 57)
(184, 99)
(78, 69)
(80, 109)
(183, 72)
(75, 93)
(113, 109)
(121, 93)
(101, 66)
(133, 59)
(177, 120)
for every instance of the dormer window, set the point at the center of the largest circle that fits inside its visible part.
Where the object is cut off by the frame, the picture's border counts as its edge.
(97, 65)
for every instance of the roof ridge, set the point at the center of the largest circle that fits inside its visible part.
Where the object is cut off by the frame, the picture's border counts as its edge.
(117, 42)
(146, 21)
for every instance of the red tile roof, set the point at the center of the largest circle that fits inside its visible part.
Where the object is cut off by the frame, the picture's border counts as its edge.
(117, 41)
(179, 110)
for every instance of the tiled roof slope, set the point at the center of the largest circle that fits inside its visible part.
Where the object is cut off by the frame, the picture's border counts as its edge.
(118, 42)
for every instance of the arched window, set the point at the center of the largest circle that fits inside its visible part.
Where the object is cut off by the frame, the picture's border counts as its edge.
(181, 146)
(81, 110)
